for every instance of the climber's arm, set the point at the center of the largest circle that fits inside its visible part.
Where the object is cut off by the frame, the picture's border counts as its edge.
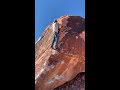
(60, 26)
(58, 30)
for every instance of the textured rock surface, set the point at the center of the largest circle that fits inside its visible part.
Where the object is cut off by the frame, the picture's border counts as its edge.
(78, 83)
(55, 67)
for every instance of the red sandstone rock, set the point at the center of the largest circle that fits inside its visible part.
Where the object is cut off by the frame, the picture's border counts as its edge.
(53, 68)
(78, 83)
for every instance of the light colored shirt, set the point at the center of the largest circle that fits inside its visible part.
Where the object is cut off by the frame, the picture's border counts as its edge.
(55, 27)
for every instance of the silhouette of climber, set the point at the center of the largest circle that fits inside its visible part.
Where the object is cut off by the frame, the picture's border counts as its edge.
(55, 28)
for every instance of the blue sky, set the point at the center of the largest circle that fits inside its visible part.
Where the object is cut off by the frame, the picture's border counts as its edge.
(48, 10)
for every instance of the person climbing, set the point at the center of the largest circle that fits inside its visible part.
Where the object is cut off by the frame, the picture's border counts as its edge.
(55, 28)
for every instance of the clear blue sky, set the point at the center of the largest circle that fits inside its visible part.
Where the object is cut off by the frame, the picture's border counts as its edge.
(48, 10)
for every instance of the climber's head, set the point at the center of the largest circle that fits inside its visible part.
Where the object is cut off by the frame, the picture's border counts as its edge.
(55, 20)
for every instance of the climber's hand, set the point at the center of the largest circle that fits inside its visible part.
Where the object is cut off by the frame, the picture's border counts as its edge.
(58, 31)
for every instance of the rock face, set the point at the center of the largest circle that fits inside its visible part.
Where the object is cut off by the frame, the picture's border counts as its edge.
(53, 68)
(78, 83)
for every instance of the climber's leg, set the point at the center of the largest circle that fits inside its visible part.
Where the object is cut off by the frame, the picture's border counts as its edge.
(53, 40)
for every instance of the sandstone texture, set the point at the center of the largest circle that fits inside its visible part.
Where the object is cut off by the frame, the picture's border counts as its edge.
(64, 68)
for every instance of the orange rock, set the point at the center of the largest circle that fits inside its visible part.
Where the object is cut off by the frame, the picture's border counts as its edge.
(55, 67)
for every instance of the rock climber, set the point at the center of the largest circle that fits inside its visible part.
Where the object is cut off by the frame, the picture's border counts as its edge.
(55, 28)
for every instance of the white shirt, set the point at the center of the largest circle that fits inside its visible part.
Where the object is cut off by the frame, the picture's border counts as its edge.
(55, 27)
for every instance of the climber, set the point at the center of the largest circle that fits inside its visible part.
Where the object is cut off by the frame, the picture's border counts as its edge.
(55, 28)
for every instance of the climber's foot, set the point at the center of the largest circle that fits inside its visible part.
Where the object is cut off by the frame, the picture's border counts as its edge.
(55, 51)
(57, 48)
